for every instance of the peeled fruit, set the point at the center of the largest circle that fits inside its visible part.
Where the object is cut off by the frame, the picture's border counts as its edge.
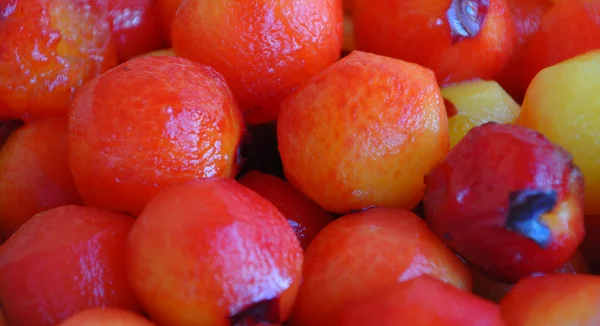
(106, 317)
(423, 301)
(264, 48)
(63, 261)
(473, 103)
(368, 251)
(559, 299)
(304, 216)
(48, 50)
(458, 39)
(349, 144)
(508, 201)
(149, 123)
(562, 103)
(213, 252)
(34, 173)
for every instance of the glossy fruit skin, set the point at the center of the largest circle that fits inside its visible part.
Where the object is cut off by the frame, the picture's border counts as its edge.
(363, 252)
(422, 301)
(561, 103)
(48, 49)
(62, 261)
(568, 29)
(126, 142)
(495, 291)
(304, 216)
(558, 299)
(34, 173)
(273, 46)
(106, 317)
(527, 15)
(468, 201)
(421, 32)
(136, 27)
(348, 144)
(208, 249)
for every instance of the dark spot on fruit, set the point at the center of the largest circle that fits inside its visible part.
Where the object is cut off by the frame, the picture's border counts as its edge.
(450, 108)
(466, 18)
(266, 311)
(524, 212)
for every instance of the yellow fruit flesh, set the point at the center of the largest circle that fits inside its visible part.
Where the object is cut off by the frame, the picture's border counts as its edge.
(563, 103)
(478, 102)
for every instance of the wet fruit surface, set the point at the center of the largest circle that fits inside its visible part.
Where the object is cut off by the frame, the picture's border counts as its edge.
(423, 301)
(34, 177)
(561, 103)
(348, 144)
(48, 50)
(210, 249)
(123, 149)
(559, 299)
(304, 216)
(525, 217)
(273, 46)
(62, 261)
(458, 39)
(363, 252)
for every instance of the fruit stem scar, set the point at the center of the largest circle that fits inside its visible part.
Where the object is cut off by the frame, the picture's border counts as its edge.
(266, 311)
(466, 18)
(526, 207)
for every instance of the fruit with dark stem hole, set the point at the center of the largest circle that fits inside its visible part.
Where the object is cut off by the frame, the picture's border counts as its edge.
(507, 200)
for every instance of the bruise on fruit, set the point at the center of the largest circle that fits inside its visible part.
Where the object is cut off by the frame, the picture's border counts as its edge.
(266, 311)
(466, 18)
(525, 210)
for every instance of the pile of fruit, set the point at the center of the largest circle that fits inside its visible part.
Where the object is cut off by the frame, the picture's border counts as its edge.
(304, 163)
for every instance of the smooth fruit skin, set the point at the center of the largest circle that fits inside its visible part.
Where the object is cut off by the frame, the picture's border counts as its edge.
(477, 196)
(48, 50)
(495, 291)
(136, 27)
(34, 173)
(559, 299)
(422, 301)
(363, 252)
(272, 47)
(568, 29)
(167, 10)
(527, 16)
(106, 317)
(148, 123)
(304, 216)
(206, 250)
(475, 103)
(349, 144)
(63, 261)
(562, 103)
(421, 32)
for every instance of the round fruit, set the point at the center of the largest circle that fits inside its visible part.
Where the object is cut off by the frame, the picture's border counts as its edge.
(63, 261)
(562, 103)
(507, 200)
(423, 301)
(106, 317)
(349, 144)
(148, 123)
(559, 299)
(364, 252)
(458, 39)
(264, 48)
(213, 252)
(304, 216)
(34, 173)
(48, 49)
